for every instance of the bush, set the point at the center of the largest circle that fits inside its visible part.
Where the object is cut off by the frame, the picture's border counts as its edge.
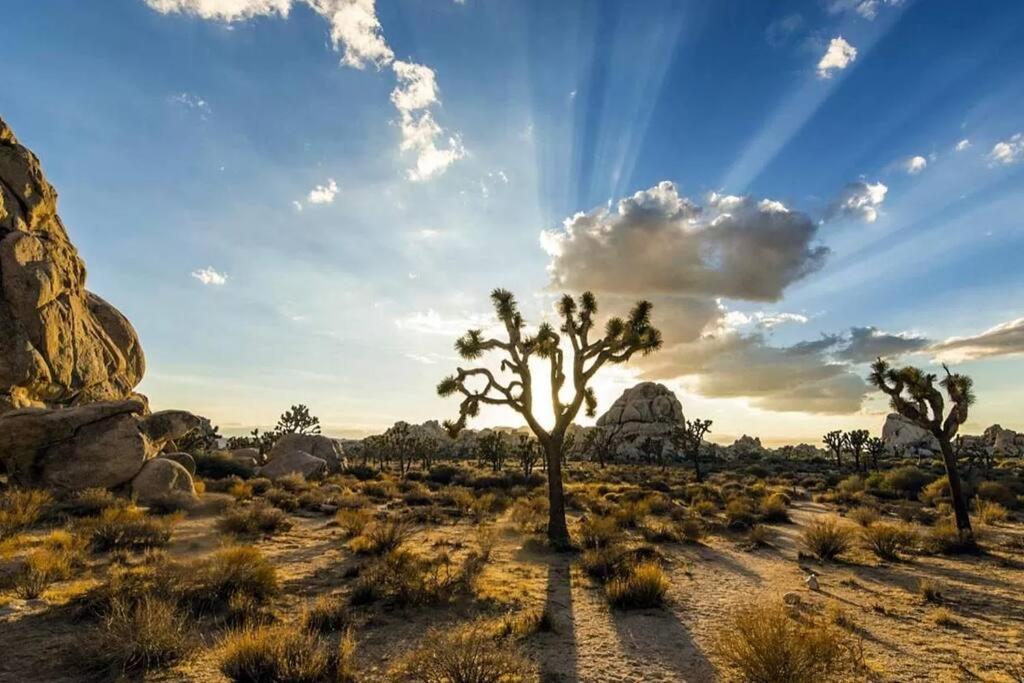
(362, 472)
(945, 539)
(826, 539)
(658, 531)
(220, 466)
(642, 585)
(863, 515)
(442, 474)
(774, 509)
(353, 521)
(281, 654)
(328, 614)
(40, 569)
(236, 579)
(20, 509)
(258, 518)
(530, 514)
(887, 540)
(990, 512)
(936, 492)
(906, 481)
(761, 643)
(739, 514)
(91, 502)
(129, 529)
(692, 530)
(466, 655)
(598, 532)
(139, 635)
(996, 492)
(760, 536)
(943, 616)
(407, 579)
(380, 537)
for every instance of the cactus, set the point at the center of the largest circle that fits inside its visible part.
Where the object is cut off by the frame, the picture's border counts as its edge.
(913, 394)
(621, 340)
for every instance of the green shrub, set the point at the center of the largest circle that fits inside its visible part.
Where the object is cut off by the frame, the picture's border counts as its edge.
(907, 481)
(220, 466)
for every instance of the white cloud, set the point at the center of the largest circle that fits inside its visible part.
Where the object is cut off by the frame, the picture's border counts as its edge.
(1008, 151)
(209, 276)
(915, 164)
(838, 56)
(868, 9)
(962, 145)
(191, 101)
(297, 205)
(432, 322)
(356, 31)
(323, 194)
(860, 200)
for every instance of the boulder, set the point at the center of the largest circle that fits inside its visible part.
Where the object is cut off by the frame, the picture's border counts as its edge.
(295, 462)
(647, 410)
(60, 345)
(246, 456)
(323, 447)
(1005, 442)
(101, 445)
(901, 436)
(161, 479)
(746, 446)
(183, 459)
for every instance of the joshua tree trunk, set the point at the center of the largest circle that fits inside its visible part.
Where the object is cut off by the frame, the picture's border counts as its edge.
(963, 520)
(695, 456)
(558, 532)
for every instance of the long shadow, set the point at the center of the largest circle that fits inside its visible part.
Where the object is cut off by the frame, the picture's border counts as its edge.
(558, 604)
(657, 635)
(707, 553)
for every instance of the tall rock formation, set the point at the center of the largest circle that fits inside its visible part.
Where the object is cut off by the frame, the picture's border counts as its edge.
(60, 345)
(647, 410)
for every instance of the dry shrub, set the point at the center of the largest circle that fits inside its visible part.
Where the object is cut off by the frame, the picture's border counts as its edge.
(692, 529)
(20, 509)
(760, 536)
(91, 502)
(283, 654)
(241, 490)
(328, 614)
(888, 540)
(996, 492)
(381, 536)
(238, 580)
(762, 643)
(138, 635)
(598, 532)
(739, 514)
(640, 585)
(280, 498)
(403, 579)
(40, 569)
(945, 539)
(826, 539)
(129, 529)
(629, 514)
(943, 616)
(658, 531)
(530, 514)
(525, 623)
(465, 655)
(352, 520)
(256, 519)
(930, 591)
(774, 509)
(990, 512)
(864, 516)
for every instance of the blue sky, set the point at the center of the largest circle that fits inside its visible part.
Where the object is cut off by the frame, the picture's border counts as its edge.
(430, 143)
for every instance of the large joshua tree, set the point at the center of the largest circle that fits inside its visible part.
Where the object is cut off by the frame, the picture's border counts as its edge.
(913, 395)
(621, 340)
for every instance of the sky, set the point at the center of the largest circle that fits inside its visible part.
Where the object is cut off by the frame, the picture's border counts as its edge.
(309, 200)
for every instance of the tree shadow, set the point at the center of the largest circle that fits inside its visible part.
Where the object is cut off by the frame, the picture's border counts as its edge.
(659, 636)
(558, 604)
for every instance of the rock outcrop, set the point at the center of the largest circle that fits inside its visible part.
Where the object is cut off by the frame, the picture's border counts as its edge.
(1004, 442)
(323, 447)
(100, 445)
(60, 345)
(647, 410)
(903, 437)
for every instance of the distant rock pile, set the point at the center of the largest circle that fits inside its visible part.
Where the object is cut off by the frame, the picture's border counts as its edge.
(901, 436)
(1004, 442)
(647, 410)
(69, 361)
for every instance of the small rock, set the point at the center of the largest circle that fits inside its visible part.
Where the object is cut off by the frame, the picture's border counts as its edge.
(812, 582)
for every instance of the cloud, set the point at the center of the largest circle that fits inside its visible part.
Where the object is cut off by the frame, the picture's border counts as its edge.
(837, 57)
(323, 194)
(209, 276)
(868, 9)
(657, 242)
(781, 30)
(915, 164)
(963, 145)
(797, 378)
(191, 101)
(1005, 339)
(297, 205)
(860, 200)
(357, 33)
(432, 322)
(1008, 151)
(865, 344)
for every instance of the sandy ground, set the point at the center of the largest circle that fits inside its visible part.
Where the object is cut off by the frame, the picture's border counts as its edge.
(591, 642)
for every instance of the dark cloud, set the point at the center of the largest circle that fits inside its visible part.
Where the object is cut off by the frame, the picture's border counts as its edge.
(1005, 339)
(868, 343)
(797, 378)
(657, 242)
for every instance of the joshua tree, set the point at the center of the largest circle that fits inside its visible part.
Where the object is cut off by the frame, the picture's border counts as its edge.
(835, 442)
(913, 394)
(622, 339)
(687, 437)
(876, 449)
(855, 441)
(602, 443)
(491, 449)
(203, 438)
(297, 420)
(528, 452)
(403, 446)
